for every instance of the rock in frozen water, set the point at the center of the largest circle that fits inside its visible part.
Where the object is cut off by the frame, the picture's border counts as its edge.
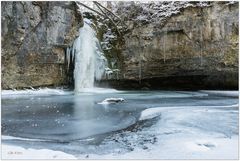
(111, 100)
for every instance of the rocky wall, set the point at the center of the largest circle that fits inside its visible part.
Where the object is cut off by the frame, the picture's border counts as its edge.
(34, 36)
(197, 48)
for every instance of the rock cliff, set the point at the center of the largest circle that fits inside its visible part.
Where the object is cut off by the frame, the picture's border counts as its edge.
(182, 46)
(195, 48)
(34, 38)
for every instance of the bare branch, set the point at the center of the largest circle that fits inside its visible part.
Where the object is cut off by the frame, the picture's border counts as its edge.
(107, 10)
(90, 8)
(108, 17)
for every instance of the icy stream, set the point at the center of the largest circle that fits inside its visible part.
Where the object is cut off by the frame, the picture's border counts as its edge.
(146, 125)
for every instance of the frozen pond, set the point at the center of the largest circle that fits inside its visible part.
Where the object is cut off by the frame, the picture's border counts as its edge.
(147, 125)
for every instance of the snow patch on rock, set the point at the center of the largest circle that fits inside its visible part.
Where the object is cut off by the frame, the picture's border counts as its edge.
(111, 100)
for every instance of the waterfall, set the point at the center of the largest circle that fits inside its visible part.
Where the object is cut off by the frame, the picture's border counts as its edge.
(90, 62)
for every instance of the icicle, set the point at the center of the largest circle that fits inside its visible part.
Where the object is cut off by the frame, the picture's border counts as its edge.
(112, 64)
(117, 72)
(68, 57)
(201, 46)
(140, 70)
(108, 73)
(73, 52)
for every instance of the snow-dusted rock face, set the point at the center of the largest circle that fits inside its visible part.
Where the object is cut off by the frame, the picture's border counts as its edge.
(178, 45)
(166, 44)
(34, 37)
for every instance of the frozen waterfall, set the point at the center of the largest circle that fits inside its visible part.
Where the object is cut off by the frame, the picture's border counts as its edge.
(90, 62)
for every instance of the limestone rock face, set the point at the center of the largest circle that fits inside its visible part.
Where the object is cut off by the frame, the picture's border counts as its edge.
(199, 46)
(34, 38)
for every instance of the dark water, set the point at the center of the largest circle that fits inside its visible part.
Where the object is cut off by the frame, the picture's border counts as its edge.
(77, 124)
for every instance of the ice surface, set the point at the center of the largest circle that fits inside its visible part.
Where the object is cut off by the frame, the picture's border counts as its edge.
(99, 90)
(203, 132)
(182, 148)
(154, 112)
(150, 113)
(36, 92)
(222, 93)
(48, 91)
(4, 137)
(149, 125)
